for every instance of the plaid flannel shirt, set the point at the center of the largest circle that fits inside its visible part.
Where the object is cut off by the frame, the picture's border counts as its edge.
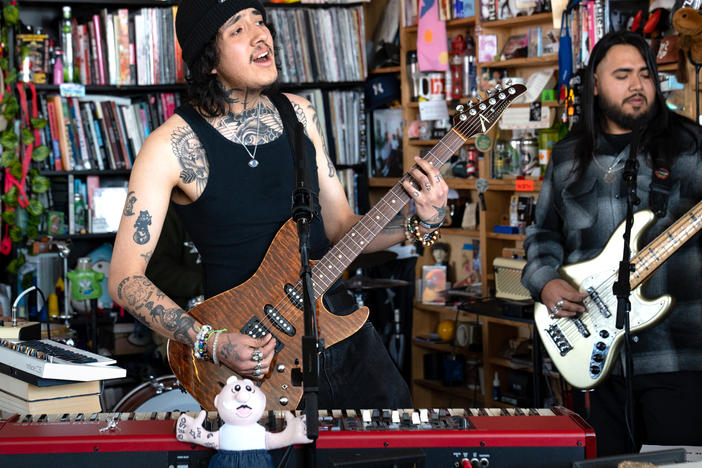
(574, 223)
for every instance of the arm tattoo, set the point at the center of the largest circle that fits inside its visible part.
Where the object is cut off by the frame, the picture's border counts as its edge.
(139, 292)
(228, 351)
(440, 214)
(141, 235)
(303, 120)
(147, 256)
(129, 204)
(191, 156)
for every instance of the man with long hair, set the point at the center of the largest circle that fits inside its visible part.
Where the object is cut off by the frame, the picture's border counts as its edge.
(224, 162)
(583, 200)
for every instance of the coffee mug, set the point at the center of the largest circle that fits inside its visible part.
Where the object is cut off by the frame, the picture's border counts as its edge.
(432, 86)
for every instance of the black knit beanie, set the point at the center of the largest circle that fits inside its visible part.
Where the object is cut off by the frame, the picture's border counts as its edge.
(198, 21)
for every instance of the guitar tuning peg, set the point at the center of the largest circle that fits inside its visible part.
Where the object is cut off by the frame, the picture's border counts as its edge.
(508, 82)
(460, 108)
(490, 92)
(470, 104)
(498, 87)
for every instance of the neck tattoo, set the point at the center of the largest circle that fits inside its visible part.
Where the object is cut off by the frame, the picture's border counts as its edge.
(254, 162)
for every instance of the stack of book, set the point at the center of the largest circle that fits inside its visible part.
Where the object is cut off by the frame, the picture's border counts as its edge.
(25, 393)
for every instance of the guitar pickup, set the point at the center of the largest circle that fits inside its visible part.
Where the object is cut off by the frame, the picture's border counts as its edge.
(598, 302)
(582, 328)
(256, 329)
(294, 296)
(280, 322)
(559, 339)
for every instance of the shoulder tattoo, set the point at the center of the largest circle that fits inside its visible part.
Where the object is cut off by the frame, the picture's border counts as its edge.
(303, 119)
(191, 156)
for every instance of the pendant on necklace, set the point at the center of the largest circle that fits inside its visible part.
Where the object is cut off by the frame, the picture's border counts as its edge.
(253, 163)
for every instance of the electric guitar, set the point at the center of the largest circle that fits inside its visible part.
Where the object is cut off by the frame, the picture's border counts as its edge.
(271, 300)
(584, 348)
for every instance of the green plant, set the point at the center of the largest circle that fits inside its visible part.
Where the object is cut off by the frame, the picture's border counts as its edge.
(22, 210)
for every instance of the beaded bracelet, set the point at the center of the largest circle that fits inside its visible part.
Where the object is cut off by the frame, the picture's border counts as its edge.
(429, 226)
(199, 348)
(214, 346)
(412, 233)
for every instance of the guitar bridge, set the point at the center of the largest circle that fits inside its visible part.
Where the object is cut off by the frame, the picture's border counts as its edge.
(559, 339)
(255, 329)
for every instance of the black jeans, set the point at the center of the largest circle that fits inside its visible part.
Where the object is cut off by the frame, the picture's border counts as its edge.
(667, 411)
(357, 373)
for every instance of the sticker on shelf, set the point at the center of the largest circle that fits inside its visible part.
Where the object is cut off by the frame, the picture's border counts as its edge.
(433, 110)
(72, 90)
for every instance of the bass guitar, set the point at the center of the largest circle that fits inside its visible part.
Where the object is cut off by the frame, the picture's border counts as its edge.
(271, 300)
(584, 348)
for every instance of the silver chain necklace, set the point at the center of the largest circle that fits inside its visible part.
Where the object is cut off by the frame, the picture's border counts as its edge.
(254, 161)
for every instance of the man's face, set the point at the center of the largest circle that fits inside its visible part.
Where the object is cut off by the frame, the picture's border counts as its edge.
(624, 88)
(245, 48)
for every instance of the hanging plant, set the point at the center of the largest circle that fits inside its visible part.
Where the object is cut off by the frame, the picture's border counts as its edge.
(22, 210)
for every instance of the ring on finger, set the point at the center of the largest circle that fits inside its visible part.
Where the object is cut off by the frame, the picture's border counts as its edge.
(559, 304)
(554, 312)
(257, 355)
(257, 371)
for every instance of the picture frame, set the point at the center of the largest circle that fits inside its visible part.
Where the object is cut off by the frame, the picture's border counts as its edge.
(434, 284)
(515, 47)
(386, 160)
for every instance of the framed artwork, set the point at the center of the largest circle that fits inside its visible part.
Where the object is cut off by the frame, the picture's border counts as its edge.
(434, 284)
(386, 160)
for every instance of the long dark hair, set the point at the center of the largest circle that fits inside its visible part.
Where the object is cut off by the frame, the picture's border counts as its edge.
(657, 135)
(204, 91)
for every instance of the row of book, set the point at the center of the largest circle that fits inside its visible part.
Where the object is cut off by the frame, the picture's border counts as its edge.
(342, 119)
(128, 47)
(349, 180)
(99, 131)
(588, 22)
(330, 45)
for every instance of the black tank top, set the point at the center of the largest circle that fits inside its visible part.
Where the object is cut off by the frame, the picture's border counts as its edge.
(235, 218)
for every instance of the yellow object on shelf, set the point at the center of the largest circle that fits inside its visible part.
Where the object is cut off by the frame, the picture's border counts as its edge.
(446, 330)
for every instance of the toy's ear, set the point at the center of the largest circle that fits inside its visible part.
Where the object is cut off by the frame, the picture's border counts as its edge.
(232, 379)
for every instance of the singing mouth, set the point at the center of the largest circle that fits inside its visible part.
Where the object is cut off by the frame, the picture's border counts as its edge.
(261, 56)
(636, 100)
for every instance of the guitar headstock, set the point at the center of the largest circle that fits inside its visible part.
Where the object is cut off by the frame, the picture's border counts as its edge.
(479, 117)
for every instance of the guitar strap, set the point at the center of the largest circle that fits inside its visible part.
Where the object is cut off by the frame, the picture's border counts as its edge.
(294, 130)
(660, 187)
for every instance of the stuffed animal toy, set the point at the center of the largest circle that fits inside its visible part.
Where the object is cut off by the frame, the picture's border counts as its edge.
(688, 23)
(241, 441)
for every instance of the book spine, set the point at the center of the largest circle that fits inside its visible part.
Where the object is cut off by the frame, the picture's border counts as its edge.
(99, 55)
(117, 159)
(178, 53)
(79, 132)
(121, 134)
(122, 36)
(71, 206)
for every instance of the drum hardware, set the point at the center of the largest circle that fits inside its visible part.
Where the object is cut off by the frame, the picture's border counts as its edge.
(158, 394)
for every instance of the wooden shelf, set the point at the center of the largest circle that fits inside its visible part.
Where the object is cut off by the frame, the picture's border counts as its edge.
(461, 183)
(509, 185)
(382, 181)
(543, 104)
(460, 232)
(86, 172)
(381, 70)
(518, 21)
(668, 67)
(544, 61)
(450, 24)
(461, 392)
(518, 366)
(512, 237)
(445, 347)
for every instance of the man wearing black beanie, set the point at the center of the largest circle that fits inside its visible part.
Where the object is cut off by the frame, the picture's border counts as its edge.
(224, 162)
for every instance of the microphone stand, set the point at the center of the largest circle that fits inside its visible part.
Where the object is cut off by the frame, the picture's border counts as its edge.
(622, 287)
(302, 214)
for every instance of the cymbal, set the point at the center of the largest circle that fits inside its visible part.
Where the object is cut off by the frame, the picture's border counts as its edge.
(372, 259)
(366, 282)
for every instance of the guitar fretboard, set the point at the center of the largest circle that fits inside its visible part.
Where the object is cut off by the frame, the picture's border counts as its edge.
(663, 246)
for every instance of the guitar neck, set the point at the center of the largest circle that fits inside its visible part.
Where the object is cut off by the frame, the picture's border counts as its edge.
(662, 247)
(339, 257)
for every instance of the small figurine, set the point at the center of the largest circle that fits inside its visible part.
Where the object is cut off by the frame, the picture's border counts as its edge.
(241, 441)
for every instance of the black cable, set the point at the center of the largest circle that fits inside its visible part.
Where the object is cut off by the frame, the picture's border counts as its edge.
(286, 457)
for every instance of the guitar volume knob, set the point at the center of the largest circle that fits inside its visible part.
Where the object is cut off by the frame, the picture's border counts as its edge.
(283, 401)
(280, 368)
